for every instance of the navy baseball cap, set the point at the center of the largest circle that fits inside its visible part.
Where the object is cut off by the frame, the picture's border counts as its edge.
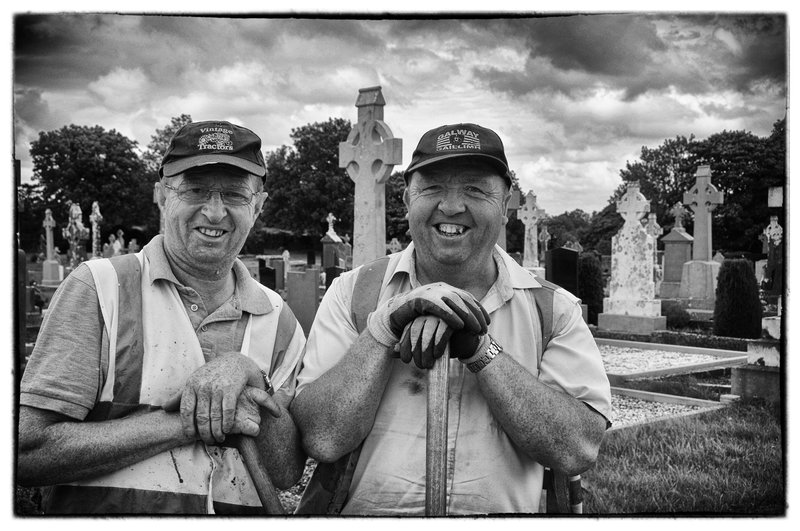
(459, 140)
(213, 142)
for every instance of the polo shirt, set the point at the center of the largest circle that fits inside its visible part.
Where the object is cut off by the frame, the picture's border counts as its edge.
(487, 473)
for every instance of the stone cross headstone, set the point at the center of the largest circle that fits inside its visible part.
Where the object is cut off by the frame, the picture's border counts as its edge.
(631, 304)
(654, 230)
(773, 233)
(369, 154)
(331, 243)
(52, 271)
(679, 212)
(544, 239)
(702, 198)
(530, 214)
(699, 275)
(331, 219)
(96, 218)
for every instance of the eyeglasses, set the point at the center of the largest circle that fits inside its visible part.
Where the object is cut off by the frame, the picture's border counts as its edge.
(196, 194)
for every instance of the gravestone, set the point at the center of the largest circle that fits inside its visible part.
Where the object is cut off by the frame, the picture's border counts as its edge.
(631, 304)
(773, 273)
(267, 274)
(280, 273)
(530, 214)
(287, 265)
(369, 154)
(654, 230)
(561, 267)
(348, 252)
(575, 246)
(96, 218)
(76, 234)
(331, 243)
(544, 242)
(311, 258)
(699, 275)
(331, 273)
(395, 246)
(677, 251)
(52, 271)
(302, 295)
(513, 206)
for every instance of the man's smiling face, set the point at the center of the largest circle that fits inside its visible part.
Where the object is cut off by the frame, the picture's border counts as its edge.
(456, 210)
(209, 233)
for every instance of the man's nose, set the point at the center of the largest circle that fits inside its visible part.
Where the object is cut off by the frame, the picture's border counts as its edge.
(214, 208)
(452, 203)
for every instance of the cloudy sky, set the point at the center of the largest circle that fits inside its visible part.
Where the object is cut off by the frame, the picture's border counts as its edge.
(573, 97)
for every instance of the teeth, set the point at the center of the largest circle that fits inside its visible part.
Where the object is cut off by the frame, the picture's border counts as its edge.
(213, 233)
(450, 229)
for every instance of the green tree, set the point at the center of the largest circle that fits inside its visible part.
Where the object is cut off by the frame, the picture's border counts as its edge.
(569, 226)
(305, 182)
(396, 222)
(86, 164)
(603, 226)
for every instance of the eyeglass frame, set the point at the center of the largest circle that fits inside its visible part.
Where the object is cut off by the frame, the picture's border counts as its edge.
(208, 191)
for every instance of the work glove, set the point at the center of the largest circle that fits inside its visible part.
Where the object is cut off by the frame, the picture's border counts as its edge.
(424, 341)
(457, 308)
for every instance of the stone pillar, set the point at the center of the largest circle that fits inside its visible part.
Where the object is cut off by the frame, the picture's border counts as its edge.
(631, 304)
(52, 274)
(544, 240)
(530, 214)
(654, 230)
(369, 154)
(96, 218)
(699, 275)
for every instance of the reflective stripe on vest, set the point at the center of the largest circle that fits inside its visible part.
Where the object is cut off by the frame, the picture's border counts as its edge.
(147, 364)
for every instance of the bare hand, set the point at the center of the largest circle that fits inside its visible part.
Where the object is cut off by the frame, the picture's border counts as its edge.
(248, 413)
(209, 398)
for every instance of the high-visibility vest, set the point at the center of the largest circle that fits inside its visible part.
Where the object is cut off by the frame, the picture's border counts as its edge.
(148, 363)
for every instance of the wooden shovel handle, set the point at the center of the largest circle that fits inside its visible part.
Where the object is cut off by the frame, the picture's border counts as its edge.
(266, 491)
(436, 439)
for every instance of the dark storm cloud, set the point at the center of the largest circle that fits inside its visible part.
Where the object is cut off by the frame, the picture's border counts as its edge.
(575, 54)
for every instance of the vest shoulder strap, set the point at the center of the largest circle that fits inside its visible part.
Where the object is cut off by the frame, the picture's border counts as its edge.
(367, 290)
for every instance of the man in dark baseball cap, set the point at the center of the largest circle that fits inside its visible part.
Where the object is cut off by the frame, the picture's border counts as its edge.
(213, 142)
(517, 402)
(459, 140)
(155, 363)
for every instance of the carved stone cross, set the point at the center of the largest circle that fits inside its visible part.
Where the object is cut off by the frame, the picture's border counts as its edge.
(49, 224)
(633, 205)
(530, 214)
(679, 212)
(702, 198)
(330, 219)
(369, 154)
(653, 229)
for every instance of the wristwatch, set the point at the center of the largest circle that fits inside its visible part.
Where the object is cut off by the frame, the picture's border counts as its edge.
(493, 350)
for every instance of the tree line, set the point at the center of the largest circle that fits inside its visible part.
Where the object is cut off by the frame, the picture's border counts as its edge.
(85, 164)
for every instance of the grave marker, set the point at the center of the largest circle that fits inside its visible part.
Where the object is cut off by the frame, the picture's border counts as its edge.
(677, 251)
(631, 304)
(699, 275)
(530, 214)
(96, 219)
(52, 271)
(302, 290)
(654, 230)
(369, 154)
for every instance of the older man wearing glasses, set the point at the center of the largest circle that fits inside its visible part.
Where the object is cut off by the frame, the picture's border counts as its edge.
(150, 365)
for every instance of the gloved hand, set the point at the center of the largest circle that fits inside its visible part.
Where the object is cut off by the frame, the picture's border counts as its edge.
(425, 338)
(456, 307)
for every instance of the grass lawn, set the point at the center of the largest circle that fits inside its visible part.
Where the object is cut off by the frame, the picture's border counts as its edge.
(725, 462)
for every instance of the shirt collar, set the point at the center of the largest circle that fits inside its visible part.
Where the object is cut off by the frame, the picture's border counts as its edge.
(510, 276)
(252, 298)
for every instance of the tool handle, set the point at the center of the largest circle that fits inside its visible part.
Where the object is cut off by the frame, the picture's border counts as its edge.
(436, 439)
(266, 491)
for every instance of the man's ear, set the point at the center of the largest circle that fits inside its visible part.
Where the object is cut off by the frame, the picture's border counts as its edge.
(504, 206)
(260, 199)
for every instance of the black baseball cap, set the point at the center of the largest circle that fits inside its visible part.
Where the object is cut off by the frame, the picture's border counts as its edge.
(213, 142)
(459, 140)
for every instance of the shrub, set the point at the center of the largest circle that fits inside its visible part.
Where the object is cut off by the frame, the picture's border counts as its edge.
(677, 316)
(737, 312)
(590, 284)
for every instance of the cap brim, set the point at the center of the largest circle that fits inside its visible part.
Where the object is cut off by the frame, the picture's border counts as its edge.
(181, 165)
(499, 163)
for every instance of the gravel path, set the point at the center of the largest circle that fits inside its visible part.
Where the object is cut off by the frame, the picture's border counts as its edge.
(626, 360)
